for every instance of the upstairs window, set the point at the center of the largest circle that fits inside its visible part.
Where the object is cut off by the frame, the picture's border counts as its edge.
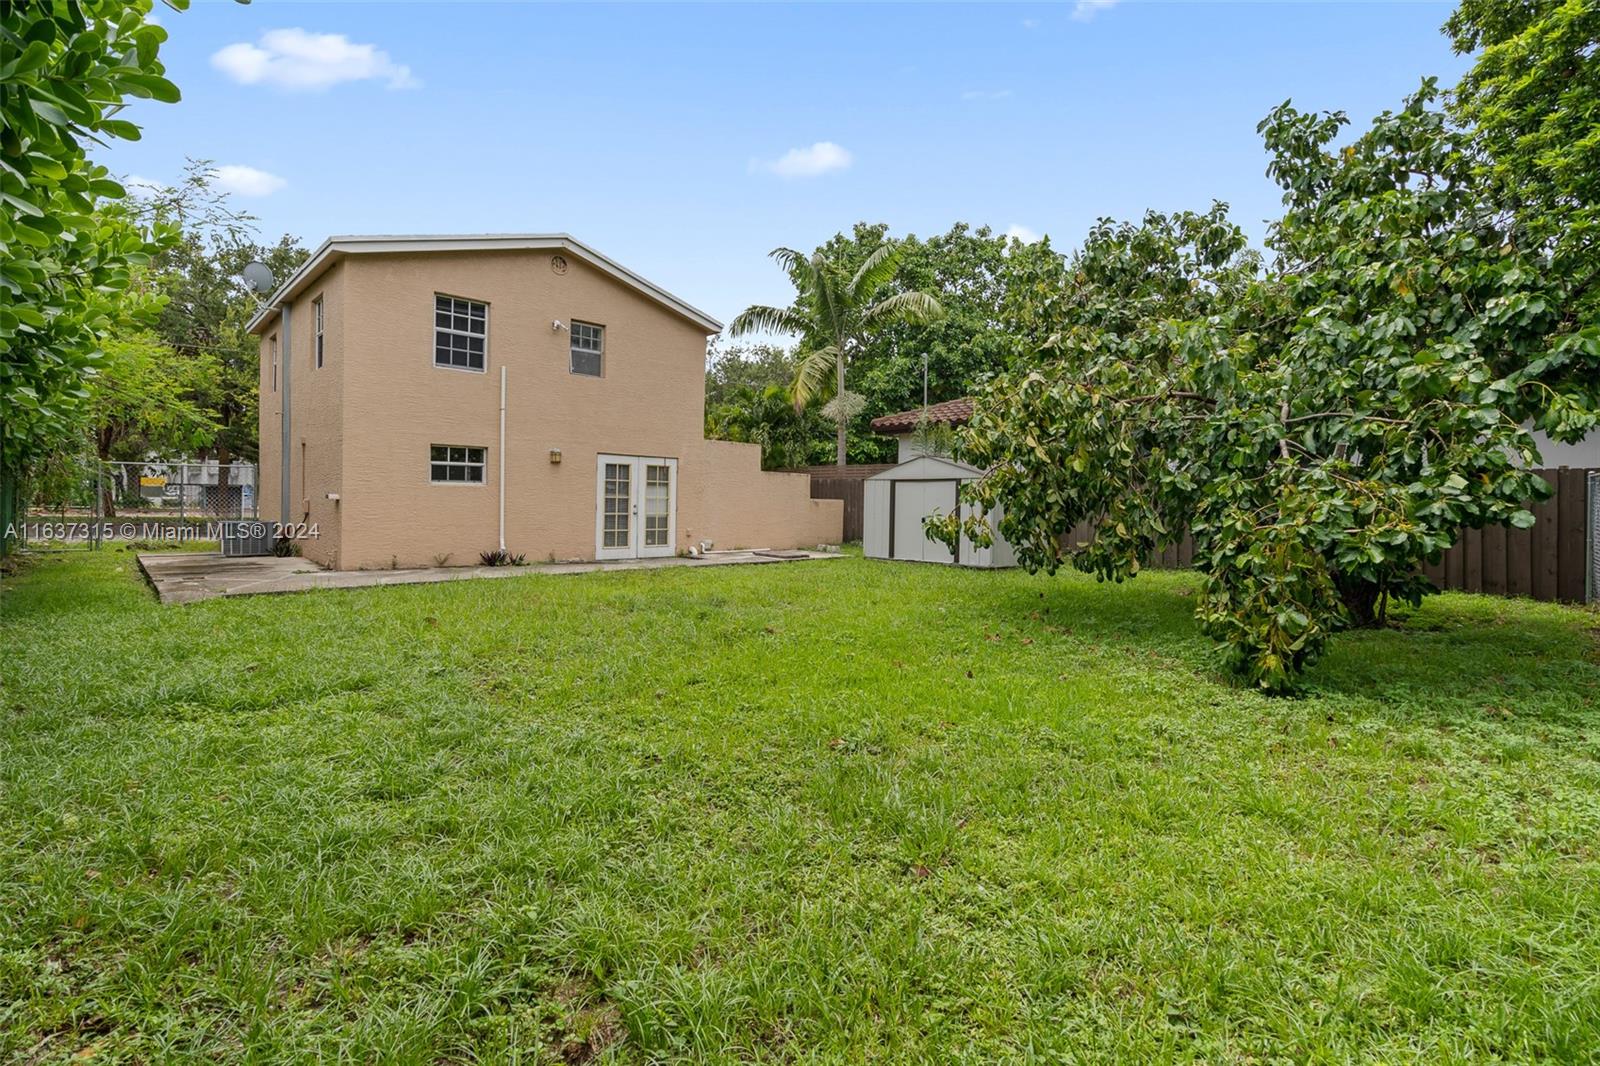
(588, 344)
(455, 464)
(460, 333)
(317, 308)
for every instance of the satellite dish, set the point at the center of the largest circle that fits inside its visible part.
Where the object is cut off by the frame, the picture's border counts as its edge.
(258, 278)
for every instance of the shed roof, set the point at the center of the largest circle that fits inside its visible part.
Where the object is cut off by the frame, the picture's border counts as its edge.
(929, 468)
(950, 412)
(336, 248)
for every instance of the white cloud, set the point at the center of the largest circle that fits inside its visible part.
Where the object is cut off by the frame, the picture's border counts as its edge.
(821, 158)
(1030, 24)
(295, 59)
(1088, 9)
(1018, 232)
(142, 188)
(986, 94)
(246, 181)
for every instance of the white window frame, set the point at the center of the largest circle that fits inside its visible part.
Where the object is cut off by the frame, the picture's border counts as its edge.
(438, 329)
(317, 316)
(572, 348)
(482, 465)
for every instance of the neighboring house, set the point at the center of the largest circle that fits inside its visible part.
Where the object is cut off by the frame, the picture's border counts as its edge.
(441, 396)
(903, 425)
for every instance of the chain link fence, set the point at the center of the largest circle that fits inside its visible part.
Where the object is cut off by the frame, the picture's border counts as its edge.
(76, 502)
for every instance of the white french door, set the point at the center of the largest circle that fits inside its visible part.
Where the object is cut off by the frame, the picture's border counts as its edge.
(636, 507)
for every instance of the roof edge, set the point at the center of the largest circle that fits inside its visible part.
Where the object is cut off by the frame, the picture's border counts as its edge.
(358, 244)
(957, 412)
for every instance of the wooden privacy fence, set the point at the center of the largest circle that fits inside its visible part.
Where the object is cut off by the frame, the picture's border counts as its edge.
(845, 483)
(1548, 561)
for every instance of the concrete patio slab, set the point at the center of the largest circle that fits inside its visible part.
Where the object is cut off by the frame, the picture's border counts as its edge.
(184, 577)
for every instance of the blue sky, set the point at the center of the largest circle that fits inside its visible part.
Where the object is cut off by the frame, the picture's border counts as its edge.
(688, 141)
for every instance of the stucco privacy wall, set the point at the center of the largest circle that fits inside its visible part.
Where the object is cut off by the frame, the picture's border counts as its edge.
(392, 403)
(735, 504)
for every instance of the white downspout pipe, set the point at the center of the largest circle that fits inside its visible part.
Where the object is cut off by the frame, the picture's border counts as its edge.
(502, 460)
(285, 447)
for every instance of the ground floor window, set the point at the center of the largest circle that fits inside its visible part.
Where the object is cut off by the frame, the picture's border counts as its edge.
(453, 463)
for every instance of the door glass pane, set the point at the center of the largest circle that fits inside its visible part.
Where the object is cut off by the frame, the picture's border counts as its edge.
(618, 496)
(657, 504)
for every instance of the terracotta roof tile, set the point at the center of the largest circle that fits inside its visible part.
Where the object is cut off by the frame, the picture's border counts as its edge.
(951, 412)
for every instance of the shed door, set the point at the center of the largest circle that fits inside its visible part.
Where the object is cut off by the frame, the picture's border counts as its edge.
(909, 503)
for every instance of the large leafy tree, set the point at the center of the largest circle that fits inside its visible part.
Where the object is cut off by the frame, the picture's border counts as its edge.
(1321, 429)
(207, 306)
(142, 399)
(66, 249)
(968, 270)
(837, 309)
(1532, 104)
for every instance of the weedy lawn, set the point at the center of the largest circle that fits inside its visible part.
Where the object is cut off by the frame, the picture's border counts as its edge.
(840, 811)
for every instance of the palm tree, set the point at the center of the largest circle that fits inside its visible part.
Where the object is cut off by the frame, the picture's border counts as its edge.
(834, 316)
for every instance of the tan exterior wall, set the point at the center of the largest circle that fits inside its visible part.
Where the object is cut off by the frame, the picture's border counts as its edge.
(379, 403)
(735, 504)
(316, 422)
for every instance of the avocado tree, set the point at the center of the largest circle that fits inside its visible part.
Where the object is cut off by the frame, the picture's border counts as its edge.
(1321, 428)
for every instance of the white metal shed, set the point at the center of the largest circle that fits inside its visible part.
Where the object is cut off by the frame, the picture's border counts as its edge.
(895, 502)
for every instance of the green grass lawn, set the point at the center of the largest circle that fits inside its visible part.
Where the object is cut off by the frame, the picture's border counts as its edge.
(837, 811)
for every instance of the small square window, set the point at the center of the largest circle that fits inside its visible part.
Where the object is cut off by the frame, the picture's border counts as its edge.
(453, 464)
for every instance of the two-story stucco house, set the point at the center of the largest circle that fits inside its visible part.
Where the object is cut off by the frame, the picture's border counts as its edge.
(430, 398)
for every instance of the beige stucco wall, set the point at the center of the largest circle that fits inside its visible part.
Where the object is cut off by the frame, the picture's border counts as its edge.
(381, 403)
(316, 423)
(735, 504)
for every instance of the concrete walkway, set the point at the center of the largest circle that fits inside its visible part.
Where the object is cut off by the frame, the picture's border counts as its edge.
(184, 577)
